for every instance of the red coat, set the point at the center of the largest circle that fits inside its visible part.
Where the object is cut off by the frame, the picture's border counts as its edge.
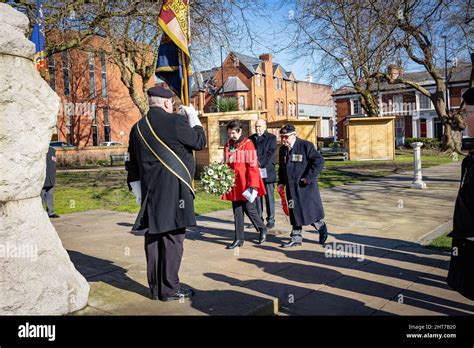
(243, 161)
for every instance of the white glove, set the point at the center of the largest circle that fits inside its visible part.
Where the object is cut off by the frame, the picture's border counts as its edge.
(192, 115)
(250, 194)
(137, 191)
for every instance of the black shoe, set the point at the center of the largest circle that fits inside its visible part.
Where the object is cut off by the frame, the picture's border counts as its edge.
(270, 225)
(182, 293)
(290, 244)
(54, 216)
(236, 243)
(323, 234)
(263, 236)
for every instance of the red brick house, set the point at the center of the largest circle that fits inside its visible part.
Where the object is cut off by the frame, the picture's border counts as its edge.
(256, 83)
(95, 104)
(414, 112)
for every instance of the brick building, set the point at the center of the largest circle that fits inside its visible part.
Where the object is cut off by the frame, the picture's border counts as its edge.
(315, 101)
(256, 83)
(95, 104)
(414, 112)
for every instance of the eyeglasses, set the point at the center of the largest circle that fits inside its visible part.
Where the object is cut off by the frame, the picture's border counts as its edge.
(286, 136)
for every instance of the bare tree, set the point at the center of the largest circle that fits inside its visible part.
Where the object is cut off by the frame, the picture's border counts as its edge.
(420, 28)
(131, 34)
(350, 37)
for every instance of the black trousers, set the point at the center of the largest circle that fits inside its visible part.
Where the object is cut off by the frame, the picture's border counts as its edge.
(164, 252)
(47, 195)
(297, 231)
(269, 202)
(250, 209)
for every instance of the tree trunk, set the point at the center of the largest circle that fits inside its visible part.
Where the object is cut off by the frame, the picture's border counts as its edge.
(452, 139)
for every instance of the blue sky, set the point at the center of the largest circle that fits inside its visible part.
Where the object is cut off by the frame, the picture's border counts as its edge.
(273, 41)
(277, 37)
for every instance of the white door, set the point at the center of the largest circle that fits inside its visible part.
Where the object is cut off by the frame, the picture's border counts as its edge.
(325, 128)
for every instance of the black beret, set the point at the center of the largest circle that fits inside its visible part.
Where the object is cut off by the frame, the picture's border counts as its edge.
(158, 91)
(468, 96)
(287, 128)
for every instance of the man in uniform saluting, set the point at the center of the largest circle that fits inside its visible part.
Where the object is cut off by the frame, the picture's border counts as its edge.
(298, 170)
(160, 172)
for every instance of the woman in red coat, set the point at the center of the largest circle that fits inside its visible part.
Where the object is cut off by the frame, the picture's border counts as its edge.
(241, 157)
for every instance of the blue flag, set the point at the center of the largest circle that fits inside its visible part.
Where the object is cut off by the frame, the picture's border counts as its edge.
(170, 67)
(38, 38)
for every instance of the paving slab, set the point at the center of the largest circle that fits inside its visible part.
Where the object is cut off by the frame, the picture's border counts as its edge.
(370, 265)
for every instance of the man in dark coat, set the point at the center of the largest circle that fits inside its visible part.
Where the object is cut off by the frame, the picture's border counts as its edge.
(461, 274)
(160, 171)
(299, 166)
(47, 193)
(266, 146)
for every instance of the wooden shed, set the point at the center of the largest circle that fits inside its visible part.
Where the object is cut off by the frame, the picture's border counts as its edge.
(308, 129)
(215, 127)
(370, 138)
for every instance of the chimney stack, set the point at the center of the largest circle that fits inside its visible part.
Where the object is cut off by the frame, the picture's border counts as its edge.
(394, 71)
(266, 58)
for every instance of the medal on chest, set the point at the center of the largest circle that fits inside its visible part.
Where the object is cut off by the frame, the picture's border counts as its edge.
(296, 158)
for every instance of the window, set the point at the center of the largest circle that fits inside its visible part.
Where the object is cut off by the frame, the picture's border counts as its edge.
(292, 85)
(92, 75)
(356, 109)
(106, 133)
(106, 116)
(277, 108)
(281, 83)
(224, 137)
(52, 72)
(95, 131)
(65, 63)
(259, 104)
(259, 80)
(106, 124)
(425, 102)
(95, 138)
(398, 102)
(241, 103)
(290, 109)
(276, 83)
(281, 108)
(103, 74)
(94, 115)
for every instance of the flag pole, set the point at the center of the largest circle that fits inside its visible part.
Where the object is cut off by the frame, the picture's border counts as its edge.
(185, 78)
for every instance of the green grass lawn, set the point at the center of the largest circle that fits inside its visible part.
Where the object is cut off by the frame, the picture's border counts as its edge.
(81, 191)
(442, 243)
(108, 190)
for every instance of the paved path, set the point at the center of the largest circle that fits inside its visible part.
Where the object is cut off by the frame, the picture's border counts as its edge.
(385, 272)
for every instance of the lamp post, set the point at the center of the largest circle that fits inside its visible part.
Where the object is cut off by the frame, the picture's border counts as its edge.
(222, 72)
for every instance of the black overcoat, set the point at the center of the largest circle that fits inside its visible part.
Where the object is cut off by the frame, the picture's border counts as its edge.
(461, 267)
(167, 203)
(303, 161)
(266, 146)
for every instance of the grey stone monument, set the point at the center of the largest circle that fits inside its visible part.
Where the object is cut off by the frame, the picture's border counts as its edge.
(37, 276)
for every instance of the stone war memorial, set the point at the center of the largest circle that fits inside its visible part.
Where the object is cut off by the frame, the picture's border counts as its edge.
(36, 274)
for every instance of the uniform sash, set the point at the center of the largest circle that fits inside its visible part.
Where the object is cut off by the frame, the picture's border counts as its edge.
(163, 153)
